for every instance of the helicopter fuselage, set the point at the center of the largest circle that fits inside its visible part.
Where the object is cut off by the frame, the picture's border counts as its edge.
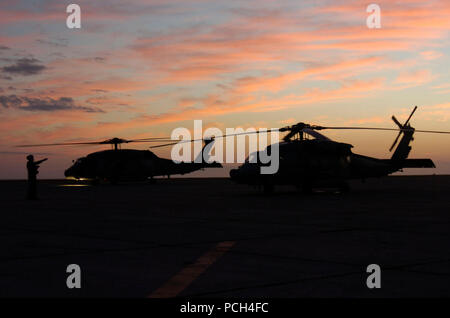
(318, 162)
(128, 165)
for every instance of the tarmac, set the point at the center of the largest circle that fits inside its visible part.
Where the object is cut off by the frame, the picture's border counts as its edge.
(213, 238)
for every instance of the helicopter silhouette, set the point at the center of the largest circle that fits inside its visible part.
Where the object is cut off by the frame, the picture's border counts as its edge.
(303, 162)
(129, 164)
(321, 162)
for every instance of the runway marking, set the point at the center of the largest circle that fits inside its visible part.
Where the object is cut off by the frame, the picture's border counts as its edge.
(187, 275)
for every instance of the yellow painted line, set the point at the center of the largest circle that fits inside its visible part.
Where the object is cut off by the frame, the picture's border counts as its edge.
(187, 275)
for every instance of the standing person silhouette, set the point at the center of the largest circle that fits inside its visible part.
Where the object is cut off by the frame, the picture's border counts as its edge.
(33, 170)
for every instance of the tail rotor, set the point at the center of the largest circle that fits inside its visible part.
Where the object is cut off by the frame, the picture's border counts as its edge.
(403, 127)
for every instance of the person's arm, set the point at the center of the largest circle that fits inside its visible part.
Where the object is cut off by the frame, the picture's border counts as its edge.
(40, 161)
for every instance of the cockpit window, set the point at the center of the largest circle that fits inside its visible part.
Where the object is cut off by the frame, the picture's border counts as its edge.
(79, 161)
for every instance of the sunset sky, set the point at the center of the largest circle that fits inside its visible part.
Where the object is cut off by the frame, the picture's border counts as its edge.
(141, 68)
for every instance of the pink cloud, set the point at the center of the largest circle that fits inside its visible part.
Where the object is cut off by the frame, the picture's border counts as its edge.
(414, 78)
(255, 56)
(431, 55)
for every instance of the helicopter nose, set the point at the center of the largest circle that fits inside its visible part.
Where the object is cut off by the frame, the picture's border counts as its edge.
(69, 172)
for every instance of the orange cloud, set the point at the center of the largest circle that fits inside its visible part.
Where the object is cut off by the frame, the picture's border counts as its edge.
(431, 55)
(414, 78)
(254, 61)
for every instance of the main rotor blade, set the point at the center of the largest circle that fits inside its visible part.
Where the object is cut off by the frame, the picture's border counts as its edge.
(220, 136)
(312, 127)
(250, 132)
(432, 131)
(170, 144)
(390, 129)
(152, 138)
(108, 141)
(63, 144)
(159, 140)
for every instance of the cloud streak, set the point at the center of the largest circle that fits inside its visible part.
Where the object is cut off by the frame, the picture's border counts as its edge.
(168, 62)
(24, 66)
(47, 104)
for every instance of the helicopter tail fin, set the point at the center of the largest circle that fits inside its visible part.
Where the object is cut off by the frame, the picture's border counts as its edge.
(402, 151)
(399, 158)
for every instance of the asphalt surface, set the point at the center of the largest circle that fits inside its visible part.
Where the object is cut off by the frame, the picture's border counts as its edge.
(211, 238)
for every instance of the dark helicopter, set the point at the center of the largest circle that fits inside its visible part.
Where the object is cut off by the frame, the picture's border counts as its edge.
(316, 162)
(128, 164)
